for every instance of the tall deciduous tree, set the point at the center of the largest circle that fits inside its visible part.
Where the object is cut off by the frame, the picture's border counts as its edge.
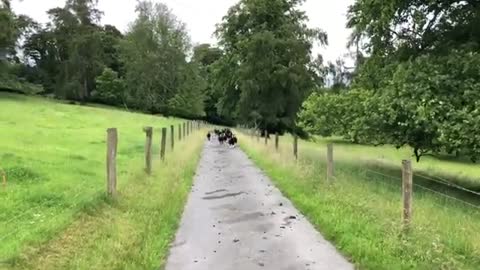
(264, 73)
(69, 51)
(421, 75)
(205, 56)
(154, 52)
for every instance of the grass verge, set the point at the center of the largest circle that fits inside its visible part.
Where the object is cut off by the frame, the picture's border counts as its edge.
(361, 213)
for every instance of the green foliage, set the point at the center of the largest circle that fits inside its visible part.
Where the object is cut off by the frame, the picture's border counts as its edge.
(352, 114)
(431, 104)
(110, 88)
(418, 85)
(72, 49)
(188, 102)
(158, 76)
(206, 57)
(8, 29)
(264, 74)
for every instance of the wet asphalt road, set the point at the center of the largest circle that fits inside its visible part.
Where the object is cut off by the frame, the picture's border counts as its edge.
(235, 219)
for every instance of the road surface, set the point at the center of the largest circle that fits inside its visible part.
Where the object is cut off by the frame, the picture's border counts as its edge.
(235, 219)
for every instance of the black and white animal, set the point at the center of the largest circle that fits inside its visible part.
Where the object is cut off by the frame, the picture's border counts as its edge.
(233, 141)
(222, 138)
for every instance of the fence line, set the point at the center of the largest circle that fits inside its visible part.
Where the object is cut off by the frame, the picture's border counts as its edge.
(406, 182)
(112, 146)
(444, 182)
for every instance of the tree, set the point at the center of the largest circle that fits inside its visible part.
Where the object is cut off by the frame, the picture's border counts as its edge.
(339, 75)
(13, 28)
(8, 29)
(205, 56)
(158, 77)
(417, 79)
(69, 51)
(392, 32)
(353, 114)
(188, 102)
(265, 71)
(110, 88)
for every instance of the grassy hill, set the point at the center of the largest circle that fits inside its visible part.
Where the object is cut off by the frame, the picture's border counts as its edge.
(53, 203)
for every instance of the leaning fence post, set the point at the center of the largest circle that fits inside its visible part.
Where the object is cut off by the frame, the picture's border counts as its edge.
(163, 144)
(276, 140)
(330, 168)
(172, 136)
(148, 149)
(407, 180)
(112, 142)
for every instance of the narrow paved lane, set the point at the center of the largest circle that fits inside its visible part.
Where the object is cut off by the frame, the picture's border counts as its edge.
(235, 219)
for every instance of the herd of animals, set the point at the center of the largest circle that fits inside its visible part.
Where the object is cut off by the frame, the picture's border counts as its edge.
(224, 136)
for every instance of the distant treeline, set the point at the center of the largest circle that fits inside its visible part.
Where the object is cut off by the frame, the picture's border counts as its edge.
(259, 74)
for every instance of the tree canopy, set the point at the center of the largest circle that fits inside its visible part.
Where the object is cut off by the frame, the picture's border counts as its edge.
(417, 83)
(265, 71)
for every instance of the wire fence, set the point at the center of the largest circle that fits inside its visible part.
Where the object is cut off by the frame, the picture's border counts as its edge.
(397, 181)
(43, 214)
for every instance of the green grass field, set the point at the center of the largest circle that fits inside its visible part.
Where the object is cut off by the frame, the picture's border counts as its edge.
(457, 170)
(361, 212)
(53, 211)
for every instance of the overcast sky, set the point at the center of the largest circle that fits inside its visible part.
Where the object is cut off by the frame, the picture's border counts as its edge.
(202, 15)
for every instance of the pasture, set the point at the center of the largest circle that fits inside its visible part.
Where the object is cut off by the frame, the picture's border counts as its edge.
(360, 212)
(53, 209)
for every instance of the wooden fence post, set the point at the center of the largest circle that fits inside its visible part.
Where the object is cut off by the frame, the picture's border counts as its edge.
(180, 132)
(266, 137)
(112, 143)
(276, 140)
(407, 179)
(163, 144)
(330, 168)
(184, 130)
(148, 149)
(295, 146)
(172, 136)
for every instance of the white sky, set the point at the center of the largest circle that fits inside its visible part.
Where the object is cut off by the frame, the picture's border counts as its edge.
(202, 15)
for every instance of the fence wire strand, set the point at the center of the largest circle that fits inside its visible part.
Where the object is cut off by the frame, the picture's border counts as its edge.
(425, 189)
(447, 196)
(447, 183)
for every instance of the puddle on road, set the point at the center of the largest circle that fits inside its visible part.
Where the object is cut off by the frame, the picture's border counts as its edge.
(216, 191)
(223, 196)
